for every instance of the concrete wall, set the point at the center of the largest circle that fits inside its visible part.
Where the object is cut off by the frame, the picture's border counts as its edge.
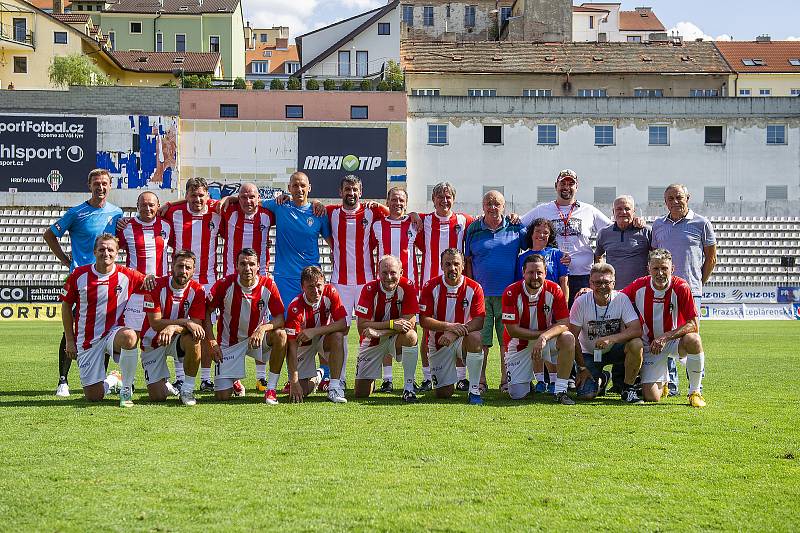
(452, 26)
(94, 100)
(541, 21)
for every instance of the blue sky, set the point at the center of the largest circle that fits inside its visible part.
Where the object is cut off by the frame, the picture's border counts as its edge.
(742, 19)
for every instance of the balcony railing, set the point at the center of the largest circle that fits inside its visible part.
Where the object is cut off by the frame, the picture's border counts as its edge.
(9, 33)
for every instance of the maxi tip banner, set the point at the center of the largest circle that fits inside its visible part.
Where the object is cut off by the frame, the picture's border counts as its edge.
(46, 153)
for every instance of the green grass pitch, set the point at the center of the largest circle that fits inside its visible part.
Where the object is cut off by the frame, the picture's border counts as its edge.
(379, 465)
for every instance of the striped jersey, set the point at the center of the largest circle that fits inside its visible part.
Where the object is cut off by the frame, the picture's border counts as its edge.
(303, 315)
(146, 245)
(458, 304)
(173, 304)
(375, 304)
(397, 238)
(661, 311)
(99, 300)
(242, 231)
(243, 309)
(351, 253)
(439, 234)
(536, 312)
(197, 232)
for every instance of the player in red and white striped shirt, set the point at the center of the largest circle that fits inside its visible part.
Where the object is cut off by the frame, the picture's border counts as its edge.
(247, 225)
(386, 312)
(173, 326)
(315, 323)
(451, 308)
(536, 323)
(98, 293)
(250, 323)
(670, 327)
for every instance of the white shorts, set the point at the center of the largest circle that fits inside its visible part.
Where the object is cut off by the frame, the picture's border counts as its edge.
(233, 361)
(519, 365)
(370, 359)
(134, 312)
(307, 358)
(443, 364)
(92, 362)
(654, 367)
(349, 295)
(154, 361)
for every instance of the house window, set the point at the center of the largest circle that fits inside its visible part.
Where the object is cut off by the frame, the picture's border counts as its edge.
(359, 112)
(655, 195)
(745, 92)
(537, 92)
(384, 28)
(159, 42)
(59, 37)
(765, 92)
(136, 27)
(505, 14)
(294, 111)
(493, 135)
(659, 135)
(20, 30)
(754, 62)
(259, 67)
(703, 93)
(714, 195)
(592, 93)
(427, 16)
(634, 38)
(603, 135)
(180, 42)
(112, 40)
(469, 16)
(362, 63)
(648, 93)
(424, 92)
(20, 65)
(437, 133)
(794, 92)
(213, 43)
(344, 63)
(291, 67)
(794, 62)
(591, 22)
(714, 135)
(408, 14)
(547, 134)
(777, 192)
(605, 195)
(776, 133)
(264, 37)
(228, 110)
(482, 92)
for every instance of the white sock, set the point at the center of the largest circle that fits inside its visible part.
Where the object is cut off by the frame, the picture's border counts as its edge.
(426, 373)
(387, 373)
(409, 367)
(261, 370)
(343, 377)
(561, 384)
(474, 366)
(461, 373)
(273, 380)
(188, 384)
(205, 374)
(180, 375)
(334, 384)
(127, 364)
(539, 377)
(695, 364)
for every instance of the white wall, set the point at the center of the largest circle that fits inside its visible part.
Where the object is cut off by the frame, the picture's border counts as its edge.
(316, 43)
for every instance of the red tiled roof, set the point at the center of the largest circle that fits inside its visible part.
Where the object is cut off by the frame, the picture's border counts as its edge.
(587, 9)
(193, 62)
(774, 54)
(174, 7)
(276, 60)
(639, 21)
(72, 18)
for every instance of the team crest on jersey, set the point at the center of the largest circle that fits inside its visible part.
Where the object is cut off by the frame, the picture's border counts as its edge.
(410, 234)
(186, 305)
(546, 308)
(364, 222)
(163, 234)
(118, 289)
(262, 227)
(457, 228)
(260, 305)
(211, 224)
(465, 303)
(310, 221)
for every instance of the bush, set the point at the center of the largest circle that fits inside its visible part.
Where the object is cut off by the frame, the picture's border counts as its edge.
(276, 85)
(329, 85)
(383, 85)
(76, 69)
(347, 85)
(312, 85)
(170, 83)
(239, 83)
(394, 75)
(258, 85)
(294, 84)
(204, 82)
(366, 85)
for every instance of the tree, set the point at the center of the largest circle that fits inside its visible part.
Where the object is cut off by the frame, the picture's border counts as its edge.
(329, 85)
(294, 84)
(394, 75)
(383, 85)
(366, 85)
(76, 69)
(347, 85)
(258, 85)
(276, 84)
(239, 83)
(312, 85)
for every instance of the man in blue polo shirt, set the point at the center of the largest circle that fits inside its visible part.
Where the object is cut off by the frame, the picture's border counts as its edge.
(84, 222)
(491, 247)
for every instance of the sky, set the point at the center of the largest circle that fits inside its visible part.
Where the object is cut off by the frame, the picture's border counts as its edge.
(740, 19)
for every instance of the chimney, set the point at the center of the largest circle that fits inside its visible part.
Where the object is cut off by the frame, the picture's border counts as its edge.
(644, 11)
(281, 43)
(763, 38)
(58, 7)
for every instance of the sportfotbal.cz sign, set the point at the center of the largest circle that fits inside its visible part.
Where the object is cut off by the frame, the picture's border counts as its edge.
(326, 155)
(46, 153)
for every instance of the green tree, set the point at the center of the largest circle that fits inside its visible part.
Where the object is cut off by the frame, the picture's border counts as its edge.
(293, 84)
(394, 75)
(383, 85)
(312, 85)
(276, 84)
(204, 82)
(76, 69)
(329, 85)
(239, 83)
(365, 85)
(258, 85)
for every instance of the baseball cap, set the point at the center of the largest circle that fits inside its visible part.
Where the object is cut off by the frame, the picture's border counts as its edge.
(567, 173)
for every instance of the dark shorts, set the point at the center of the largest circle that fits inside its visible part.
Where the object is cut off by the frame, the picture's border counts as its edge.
(615, 355)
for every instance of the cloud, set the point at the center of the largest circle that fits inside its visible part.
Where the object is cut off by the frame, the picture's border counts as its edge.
(362, 5)
(793, 38)
(296, 14)
(690, 32)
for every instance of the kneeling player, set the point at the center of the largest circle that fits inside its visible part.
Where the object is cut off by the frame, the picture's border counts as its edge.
(98, 293)
(536, 327)
(315, 323)
(245, 301)
(451, 308)
(608, 329)
(173, 327)
(670, 326)
(386, 313)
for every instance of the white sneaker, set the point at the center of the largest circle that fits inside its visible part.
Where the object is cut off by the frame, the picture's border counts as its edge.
(187, 398)
(316, 380)
(336, 395)
(62, 391)
(114, 380)
(171, 390)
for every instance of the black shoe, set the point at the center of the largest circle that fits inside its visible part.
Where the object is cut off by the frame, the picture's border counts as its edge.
(386, 386)
(631, 396)
(178, 383)
(409, 397)
(462, 385)
(206, 386)
(426, 386)
(563, 398)
(605, 377)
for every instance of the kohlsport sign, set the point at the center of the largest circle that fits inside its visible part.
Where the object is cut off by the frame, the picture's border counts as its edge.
(326, 155)
(46, 153)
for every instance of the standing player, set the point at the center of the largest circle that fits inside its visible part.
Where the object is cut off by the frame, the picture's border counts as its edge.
(353, 265)
(315, 323)
(451, 309)
(84, 222)
(196, 227)
(250, 323)
(386, 312)
(93, 304)
(536, 323)
(173, 326)
(396, 235)
(670, 323)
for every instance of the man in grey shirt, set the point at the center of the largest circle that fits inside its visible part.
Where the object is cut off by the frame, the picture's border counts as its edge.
(625, 247)
(690, 239)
